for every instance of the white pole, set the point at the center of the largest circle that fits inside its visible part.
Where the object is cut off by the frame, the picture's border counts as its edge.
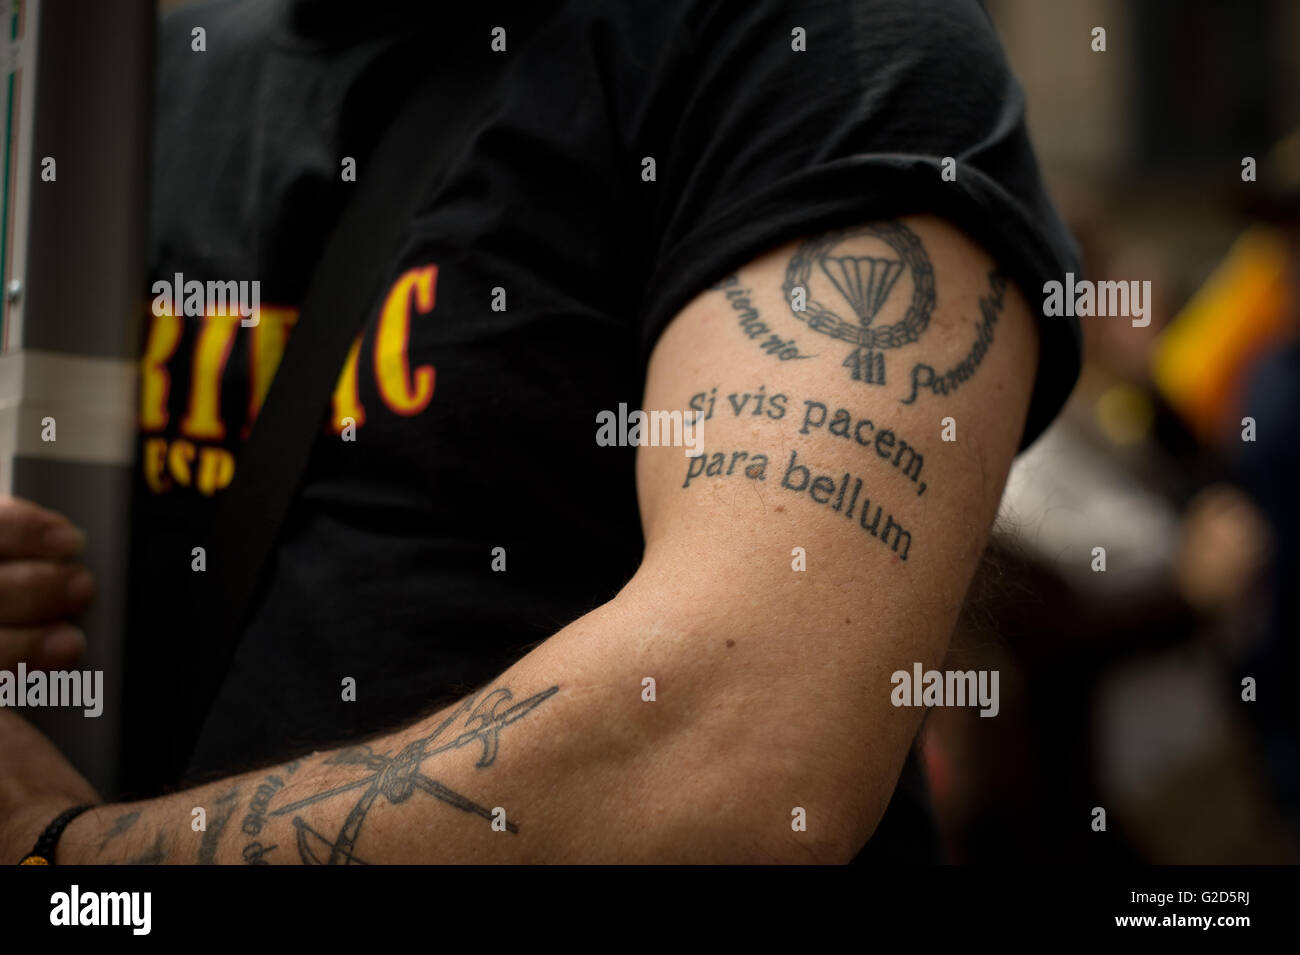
(76, 103)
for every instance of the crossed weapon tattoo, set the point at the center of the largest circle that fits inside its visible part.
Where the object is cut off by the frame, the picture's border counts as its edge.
(397, 777)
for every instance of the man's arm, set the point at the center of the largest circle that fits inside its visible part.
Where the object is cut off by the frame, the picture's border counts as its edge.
(823, 541)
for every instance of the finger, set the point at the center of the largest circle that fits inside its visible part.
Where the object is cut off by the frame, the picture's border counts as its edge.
(41, 648)
(42, 591)
(29, 530)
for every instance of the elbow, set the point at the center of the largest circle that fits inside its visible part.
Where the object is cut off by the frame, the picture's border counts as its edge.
(740, 813)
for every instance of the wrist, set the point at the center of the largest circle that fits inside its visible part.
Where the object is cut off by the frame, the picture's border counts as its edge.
(41, 829)
(81, 837)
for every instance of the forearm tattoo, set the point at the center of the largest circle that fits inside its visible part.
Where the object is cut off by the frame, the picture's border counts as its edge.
(477, 721)
(216, 826)
(121, 824)
(156, 854)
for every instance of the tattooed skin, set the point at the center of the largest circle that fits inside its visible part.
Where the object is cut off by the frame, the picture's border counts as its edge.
(871, 286)
(925, 377)
(120, 825)
(477, 721)
(813, 417)
(220, 818)
(154, 855)
(752, 325)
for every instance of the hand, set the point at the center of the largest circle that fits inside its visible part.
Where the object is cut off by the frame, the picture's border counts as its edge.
(36, 784)
(41, 587)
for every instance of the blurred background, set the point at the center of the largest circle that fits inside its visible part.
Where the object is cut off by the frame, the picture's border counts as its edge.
(1162, 689)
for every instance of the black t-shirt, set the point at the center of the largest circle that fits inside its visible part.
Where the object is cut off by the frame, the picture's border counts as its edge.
(474, 427)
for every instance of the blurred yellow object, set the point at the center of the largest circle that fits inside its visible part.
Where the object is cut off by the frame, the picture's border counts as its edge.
(1125, 414)
(1239, 312)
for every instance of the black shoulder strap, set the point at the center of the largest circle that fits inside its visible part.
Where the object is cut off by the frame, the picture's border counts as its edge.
(343, 293)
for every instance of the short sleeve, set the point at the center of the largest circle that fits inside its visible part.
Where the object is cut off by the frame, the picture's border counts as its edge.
(760, 143)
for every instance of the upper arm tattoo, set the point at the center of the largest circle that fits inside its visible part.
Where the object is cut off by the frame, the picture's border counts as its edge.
(871, 288)
(944, 383)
